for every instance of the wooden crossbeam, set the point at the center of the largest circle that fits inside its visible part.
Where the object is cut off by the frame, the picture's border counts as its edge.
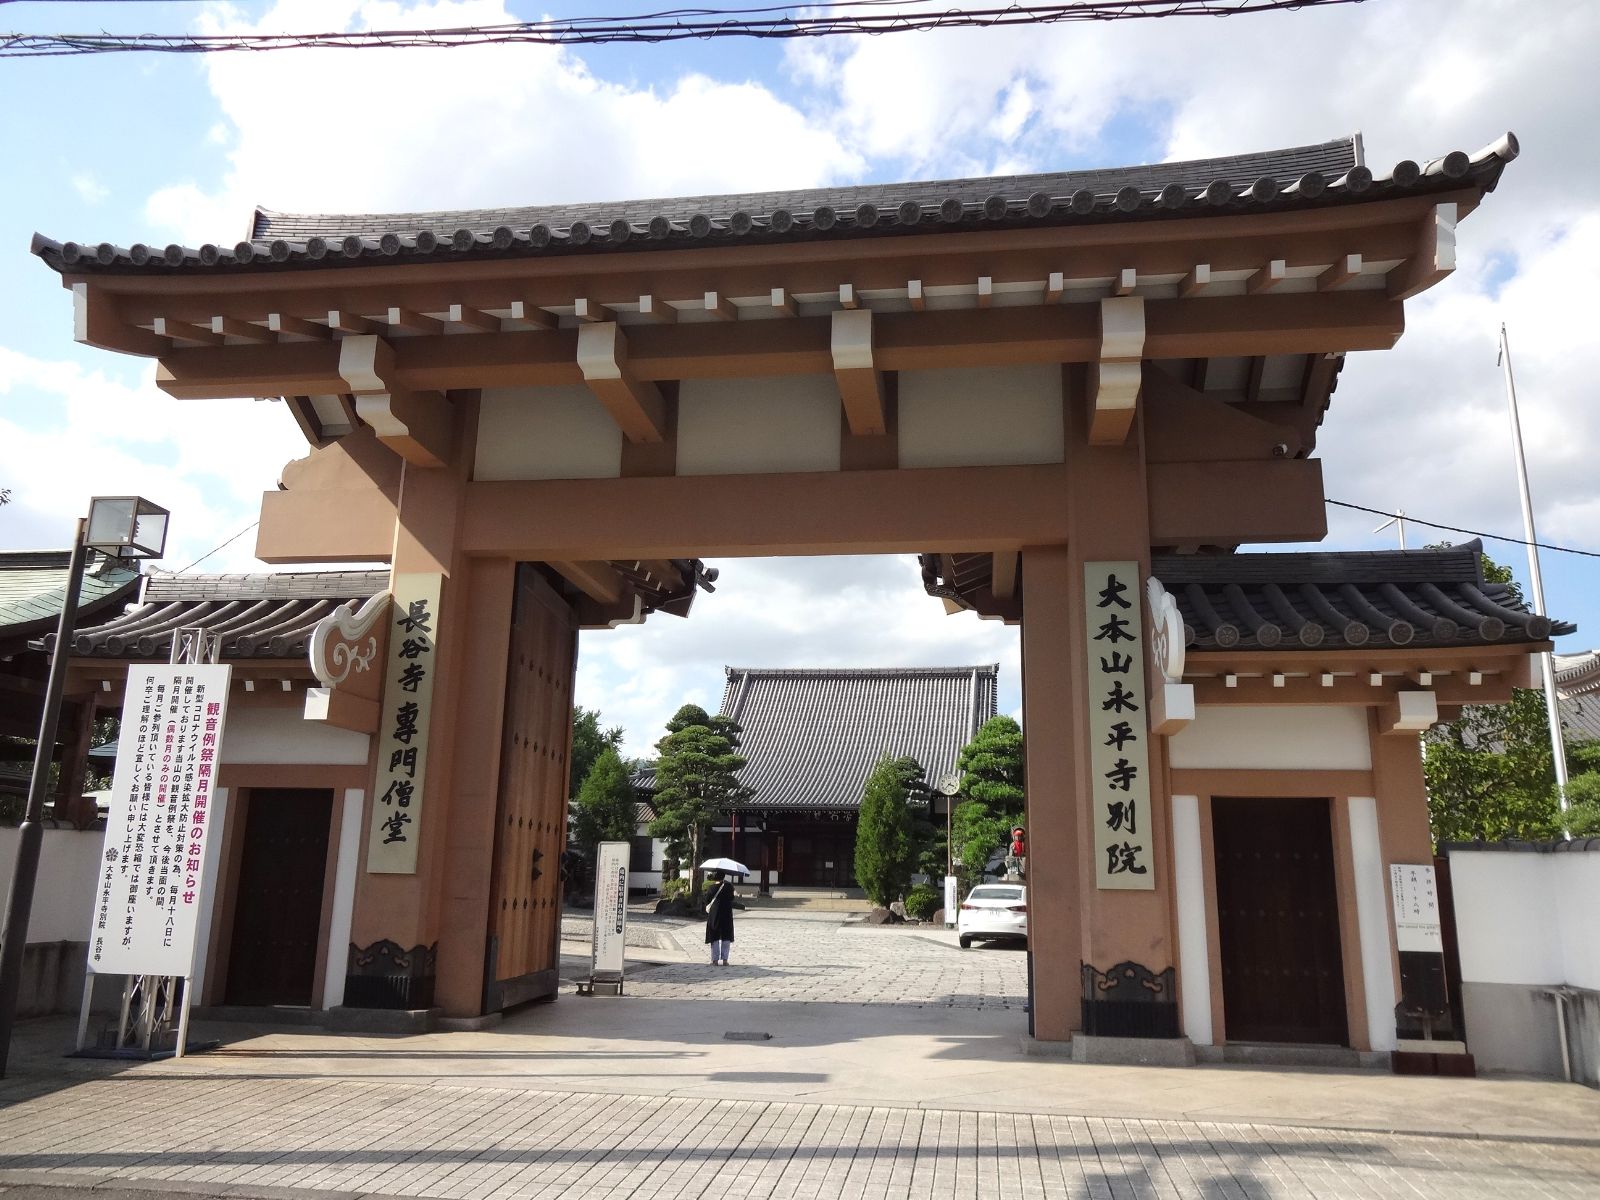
(597, 580)
(348, 322)
(653, 308)
(591, 311)
(283, 324)
(1195, 281)
(184, 331)
(1340, 273)
(474, 319)
(413, 322)
(524, 313)
(1267, 278)
(247, 331)
(720, 307)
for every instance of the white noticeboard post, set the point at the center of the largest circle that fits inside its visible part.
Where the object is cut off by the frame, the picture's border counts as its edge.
(949, 899)
(152, 873)
(1416, 908)
(610, 913)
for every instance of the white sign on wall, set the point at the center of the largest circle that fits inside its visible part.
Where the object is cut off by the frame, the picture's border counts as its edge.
(1119, 731)
(152, 874)
(403, 725)
(1416, 908)
(610, 911)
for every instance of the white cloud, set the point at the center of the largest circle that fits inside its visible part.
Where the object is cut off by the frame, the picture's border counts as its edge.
(90, 190)
(72, 433)
(403, 131)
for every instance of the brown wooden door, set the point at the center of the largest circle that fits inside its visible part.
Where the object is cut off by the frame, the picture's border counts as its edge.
(277, 912)
(531, 816)
(1278, 921)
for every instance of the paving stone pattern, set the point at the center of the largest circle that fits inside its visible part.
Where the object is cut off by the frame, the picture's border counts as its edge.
(832, 962)
(403, 1139)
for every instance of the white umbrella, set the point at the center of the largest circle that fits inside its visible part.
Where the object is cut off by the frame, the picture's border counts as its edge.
(725, 864)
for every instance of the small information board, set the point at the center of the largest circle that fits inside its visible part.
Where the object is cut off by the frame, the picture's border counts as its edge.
(610, 913)
(1416, 908)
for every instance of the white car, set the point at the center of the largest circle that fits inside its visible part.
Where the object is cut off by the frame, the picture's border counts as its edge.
(993, 910)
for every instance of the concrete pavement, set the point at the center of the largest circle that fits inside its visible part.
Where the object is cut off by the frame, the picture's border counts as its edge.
(861, 1092)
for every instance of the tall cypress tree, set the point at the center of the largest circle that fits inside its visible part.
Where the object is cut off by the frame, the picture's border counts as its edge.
(885, 848)
(605, 807)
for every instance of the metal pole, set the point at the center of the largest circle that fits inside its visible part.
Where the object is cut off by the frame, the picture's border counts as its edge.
(1558, 750)
(19, 905)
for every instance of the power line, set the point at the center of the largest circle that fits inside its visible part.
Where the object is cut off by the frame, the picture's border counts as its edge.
(224, 546)
(1493, 537)
(832, 18)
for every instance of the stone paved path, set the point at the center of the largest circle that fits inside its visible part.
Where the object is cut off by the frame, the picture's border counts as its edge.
(401, 1139)
(828, 961)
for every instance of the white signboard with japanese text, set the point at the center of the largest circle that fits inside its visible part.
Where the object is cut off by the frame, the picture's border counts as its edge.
(610, 911)
(1119, 758)
(152, 873)
(403, 724)
(1416, 908)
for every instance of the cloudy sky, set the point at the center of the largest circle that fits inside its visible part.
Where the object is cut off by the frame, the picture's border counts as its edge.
(169, 148)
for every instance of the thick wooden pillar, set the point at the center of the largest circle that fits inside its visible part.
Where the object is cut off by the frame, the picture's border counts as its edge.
(417, 937)
(1108, 520)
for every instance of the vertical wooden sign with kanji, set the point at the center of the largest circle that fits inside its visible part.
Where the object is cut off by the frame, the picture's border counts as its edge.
(1119, 736)
(403, 726)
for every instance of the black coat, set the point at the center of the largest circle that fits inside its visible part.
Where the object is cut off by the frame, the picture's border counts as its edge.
(719, 914)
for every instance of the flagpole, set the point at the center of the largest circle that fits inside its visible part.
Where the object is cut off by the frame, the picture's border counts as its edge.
(1558, 748)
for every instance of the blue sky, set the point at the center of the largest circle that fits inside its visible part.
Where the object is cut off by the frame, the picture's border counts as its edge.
(164, 148)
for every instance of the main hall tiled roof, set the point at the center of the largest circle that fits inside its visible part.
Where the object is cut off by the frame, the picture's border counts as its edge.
(1319, 175)
(1393, 598)
(813, 736)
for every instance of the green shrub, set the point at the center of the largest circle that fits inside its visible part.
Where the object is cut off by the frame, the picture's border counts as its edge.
(922, 901)
(671, 889)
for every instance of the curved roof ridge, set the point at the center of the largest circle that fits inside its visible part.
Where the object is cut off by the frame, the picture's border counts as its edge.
(1317, 175)
(817, 672)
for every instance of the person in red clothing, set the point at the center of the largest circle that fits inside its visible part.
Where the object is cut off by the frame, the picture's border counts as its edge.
(1017, 859)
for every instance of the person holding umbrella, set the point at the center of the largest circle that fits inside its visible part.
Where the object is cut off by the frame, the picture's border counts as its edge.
(719, 910)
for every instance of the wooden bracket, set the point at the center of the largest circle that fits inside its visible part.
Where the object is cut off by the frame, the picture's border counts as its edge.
(860, 382)
(1114, 380)
(415, 425)
(1409, 712)
(634, 404)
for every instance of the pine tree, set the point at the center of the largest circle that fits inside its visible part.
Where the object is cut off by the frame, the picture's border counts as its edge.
(993, 800)
(695, 782)
(885, 847)
(604, 811)
(588, 740)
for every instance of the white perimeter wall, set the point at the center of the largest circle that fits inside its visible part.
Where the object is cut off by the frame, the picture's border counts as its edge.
(63, 898)
(1278, 737)
(1527, 918)
(280, 734)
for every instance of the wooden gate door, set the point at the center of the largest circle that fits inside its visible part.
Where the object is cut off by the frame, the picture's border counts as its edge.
(1278, 921)
(531, 816)
(277, 914)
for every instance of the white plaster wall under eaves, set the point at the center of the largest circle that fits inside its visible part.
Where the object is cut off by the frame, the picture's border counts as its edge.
(546, 433)
(1247, 737)
(981, 416)
(758, 426)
